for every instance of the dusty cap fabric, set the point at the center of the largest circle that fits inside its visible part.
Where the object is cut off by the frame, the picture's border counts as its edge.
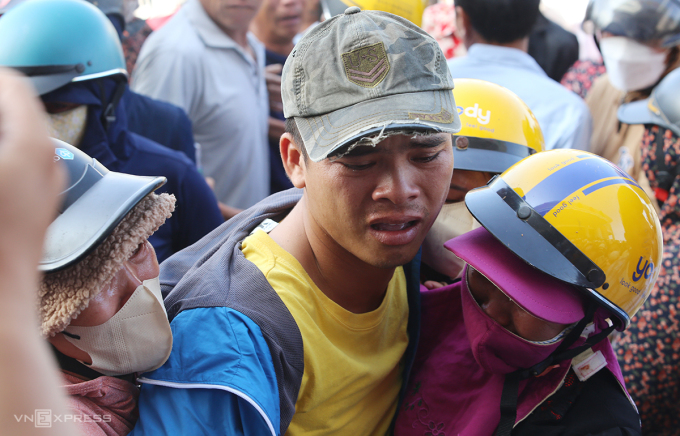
(538, 293)
(363, 73)
(67, 292)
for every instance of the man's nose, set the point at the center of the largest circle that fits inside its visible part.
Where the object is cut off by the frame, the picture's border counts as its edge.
(398, 184)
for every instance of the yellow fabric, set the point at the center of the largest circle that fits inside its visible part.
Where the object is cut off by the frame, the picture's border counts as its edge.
(412, 10)
(352, 361)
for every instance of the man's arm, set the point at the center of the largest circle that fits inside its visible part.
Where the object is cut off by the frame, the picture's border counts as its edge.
(29, 184)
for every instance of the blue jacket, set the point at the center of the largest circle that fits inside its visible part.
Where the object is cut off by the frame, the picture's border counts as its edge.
(159, 121)
(196, 212)
(237, 357)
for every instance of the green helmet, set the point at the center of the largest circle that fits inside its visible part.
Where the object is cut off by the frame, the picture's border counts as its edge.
(56, 42)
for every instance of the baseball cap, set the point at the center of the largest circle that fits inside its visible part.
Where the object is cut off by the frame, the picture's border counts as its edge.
(661, 108)
(365, 73)
(538, 293)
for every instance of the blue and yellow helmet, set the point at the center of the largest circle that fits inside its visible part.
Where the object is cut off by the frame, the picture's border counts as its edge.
(580, 219)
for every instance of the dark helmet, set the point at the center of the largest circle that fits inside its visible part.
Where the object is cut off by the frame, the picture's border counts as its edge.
(95, 201)
(652, 22)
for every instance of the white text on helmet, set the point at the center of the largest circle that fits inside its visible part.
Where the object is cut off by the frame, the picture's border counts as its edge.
(475, 112)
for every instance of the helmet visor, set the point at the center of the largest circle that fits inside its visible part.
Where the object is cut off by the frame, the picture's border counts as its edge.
(526, 233)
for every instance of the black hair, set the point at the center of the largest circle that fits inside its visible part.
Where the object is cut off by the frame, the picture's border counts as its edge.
(501, 21)
(292, 128)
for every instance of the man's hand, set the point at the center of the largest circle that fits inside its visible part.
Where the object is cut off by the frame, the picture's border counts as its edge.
(30, 180)
(272, 74)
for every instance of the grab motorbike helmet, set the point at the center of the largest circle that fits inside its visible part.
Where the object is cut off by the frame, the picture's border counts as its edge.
(579, 218)
(498, 128)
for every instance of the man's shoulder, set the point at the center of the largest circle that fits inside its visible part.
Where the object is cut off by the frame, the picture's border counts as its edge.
(152, 154)
(177, 37)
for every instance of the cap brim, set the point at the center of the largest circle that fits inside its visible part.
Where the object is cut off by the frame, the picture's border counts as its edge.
(637, 112)
(541, 295)
(431, 111)
(87, 222)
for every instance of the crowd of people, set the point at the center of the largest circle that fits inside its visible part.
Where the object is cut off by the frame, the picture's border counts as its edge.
(313, 217)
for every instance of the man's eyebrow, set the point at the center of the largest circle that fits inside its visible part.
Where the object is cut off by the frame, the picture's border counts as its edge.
(428, 141)
(361, 150)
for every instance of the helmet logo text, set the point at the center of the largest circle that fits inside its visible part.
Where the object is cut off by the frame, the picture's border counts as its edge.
(475, 112)
(62, 153)
(646, 270)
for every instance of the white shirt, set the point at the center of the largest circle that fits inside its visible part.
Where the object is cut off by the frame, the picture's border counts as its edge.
(563, 116)
(193, 64)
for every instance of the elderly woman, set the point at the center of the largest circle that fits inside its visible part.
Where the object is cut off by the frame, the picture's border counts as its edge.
(567, 254)
(101, 307)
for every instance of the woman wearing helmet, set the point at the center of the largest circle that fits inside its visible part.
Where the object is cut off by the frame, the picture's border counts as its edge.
(639, 43)
(498, 130)
(648, 349)
(568, 252)
(100, 302)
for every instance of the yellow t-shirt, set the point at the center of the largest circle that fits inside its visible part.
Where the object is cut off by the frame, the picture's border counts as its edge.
(352, 361)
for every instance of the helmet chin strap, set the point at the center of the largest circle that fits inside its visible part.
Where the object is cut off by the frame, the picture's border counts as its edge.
(109, 112)
(511, 385)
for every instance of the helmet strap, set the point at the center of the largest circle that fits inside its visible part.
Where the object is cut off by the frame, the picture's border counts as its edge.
(109, 112)
(563, 352)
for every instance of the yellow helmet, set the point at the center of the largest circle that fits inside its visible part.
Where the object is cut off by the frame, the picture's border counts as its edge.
(412, 10)
(498, 128)
(580, 219)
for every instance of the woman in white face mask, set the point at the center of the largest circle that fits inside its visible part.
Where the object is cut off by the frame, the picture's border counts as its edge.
(498, 130)
(639, 44)
(100, 300)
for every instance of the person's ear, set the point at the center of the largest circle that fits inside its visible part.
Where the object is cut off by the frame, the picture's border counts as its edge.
(462, 21)
(293, 160)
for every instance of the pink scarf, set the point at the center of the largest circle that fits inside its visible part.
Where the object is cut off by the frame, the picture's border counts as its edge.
(449, 393)
(105, 406)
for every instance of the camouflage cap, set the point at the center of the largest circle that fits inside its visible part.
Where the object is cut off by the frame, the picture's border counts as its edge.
(364, 73)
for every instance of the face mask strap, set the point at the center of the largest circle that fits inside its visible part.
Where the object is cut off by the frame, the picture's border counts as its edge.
(511, 384)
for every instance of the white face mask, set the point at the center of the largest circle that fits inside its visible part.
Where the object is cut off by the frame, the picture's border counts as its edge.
(136, 339)
(68, 126)
(453, 220)
(632, 66)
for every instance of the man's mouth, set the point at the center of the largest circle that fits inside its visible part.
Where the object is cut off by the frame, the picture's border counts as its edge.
(396, 232)
(387, 227)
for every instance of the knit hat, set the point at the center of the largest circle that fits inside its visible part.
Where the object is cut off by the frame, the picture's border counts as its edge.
(67, 292)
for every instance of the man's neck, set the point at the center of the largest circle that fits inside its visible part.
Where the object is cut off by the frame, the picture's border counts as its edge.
(240, 37)
(351, 283)
(520, 44)
(272, 44)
